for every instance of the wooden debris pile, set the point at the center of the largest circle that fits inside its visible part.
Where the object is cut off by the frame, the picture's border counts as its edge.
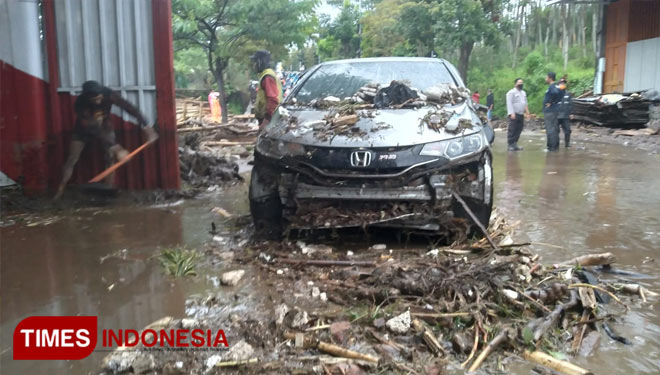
(467, 305)
(613, 110)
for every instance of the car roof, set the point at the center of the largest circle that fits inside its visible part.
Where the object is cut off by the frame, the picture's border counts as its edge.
(384, 59)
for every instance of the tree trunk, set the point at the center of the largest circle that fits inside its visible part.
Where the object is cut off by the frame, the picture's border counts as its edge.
(517, 40)
(553, 16)
(547, 37)
(565, 36)
(539, 26)
(594, 28)
(464, 59)
(218, 72)
(583, 30)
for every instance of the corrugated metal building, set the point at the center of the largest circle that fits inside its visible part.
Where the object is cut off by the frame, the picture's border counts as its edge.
(48, 48)
(632, 45)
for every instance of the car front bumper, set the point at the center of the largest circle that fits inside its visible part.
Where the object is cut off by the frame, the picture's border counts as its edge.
(425, 202)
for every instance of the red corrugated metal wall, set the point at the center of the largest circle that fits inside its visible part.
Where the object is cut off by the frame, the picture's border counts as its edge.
(36, 121)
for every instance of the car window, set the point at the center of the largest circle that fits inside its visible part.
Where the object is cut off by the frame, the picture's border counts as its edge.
(344, 79)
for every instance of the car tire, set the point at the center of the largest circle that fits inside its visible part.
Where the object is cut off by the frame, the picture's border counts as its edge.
(265, 205)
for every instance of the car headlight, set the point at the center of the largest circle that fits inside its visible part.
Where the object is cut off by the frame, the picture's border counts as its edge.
(455, 147)
(277, 148)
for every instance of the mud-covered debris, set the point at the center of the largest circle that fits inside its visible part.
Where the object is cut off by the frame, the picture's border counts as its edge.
(280, 313)
(435, 119)
(312, 249)
(205, 168)
(300, 320)
(366, 93)
(464, 124)
(189, 323)
(446, 94)
(213, 360)
(240, 351)
(460, 343)
(338, 330)
(590, 343)
(122, 361)
(399, 324)
(380, 126)
(232, 278)
(396, 93)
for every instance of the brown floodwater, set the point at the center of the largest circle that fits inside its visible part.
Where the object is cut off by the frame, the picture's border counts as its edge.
(591, 198)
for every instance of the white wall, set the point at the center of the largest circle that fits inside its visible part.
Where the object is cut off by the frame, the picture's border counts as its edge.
(20, 45)
(642, 65)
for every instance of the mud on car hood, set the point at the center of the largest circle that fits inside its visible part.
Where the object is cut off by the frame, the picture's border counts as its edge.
(387, 127)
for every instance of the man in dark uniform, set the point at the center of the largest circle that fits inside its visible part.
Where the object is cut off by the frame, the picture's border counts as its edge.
(564, 115)
(92, 109)
(553, 96)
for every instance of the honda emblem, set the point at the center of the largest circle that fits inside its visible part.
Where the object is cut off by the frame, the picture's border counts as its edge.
(360, 158)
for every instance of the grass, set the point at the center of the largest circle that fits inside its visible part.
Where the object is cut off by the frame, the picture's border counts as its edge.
(178, 262)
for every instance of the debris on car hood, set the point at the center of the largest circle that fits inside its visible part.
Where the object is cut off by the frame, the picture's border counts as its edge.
(374, 109)
(337, 126)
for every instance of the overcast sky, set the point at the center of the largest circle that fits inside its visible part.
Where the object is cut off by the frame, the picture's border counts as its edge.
(324, 8)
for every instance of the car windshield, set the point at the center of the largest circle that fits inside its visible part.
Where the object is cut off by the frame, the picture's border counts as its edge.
(344, 79)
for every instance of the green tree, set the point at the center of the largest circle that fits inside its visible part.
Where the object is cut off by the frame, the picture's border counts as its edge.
(462, 23)
(381, 32)
(416, 24)
(340, 37)
(229, 29)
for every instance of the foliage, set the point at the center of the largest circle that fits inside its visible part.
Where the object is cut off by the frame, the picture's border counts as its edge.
(339, 38)
(381, 34)
(178, 262)
(232, 29)
(491, 69)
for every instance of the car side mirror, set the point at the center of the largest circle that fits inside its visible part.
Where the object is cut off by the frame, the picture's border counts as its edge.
(490, 133)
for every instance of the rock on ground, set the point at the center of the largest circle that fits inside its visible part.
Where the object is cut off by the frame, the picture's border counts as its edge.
(122, 361)
(399, 324)
(240, 351)
(232, 277)
(280, 313)
(300, 320)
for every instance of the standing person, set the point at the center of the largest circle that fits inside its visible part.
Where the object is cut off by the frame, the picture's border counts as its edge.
(92, 109)
(553, 96)
(269, 94)
(475, 97)
(564, 114)
(490, 103)
(516, 109)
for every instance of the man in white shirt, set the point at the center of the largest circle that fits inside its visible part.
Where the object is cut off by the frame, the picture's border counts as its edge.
(516, 108)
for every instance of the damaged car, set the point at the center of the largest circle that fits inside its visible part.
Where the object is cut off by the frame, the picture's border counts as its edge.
(377, 142)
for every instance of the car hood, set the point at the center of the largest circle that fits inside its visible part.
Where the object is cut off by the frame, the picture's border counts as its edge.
(387, 127)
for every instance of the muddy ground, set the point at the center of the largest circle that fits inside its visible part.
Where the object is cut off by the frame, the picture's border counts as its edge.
(583, 132)
(100, 260)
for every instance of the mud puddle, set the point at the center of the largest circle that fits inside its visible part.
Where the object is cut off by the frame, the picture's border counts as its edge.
(591, 198)
(100, 261)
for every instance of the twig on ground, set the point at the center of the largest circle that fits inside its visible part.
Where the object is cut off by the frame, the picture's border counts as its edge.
(236, 363)
(551, 362)
(475, 220)
(474, 347)
(501, 337)
(614, 297)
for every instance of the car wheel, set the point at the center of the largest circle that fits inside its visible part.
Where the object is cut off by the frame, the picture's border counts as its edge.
(265, 204)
